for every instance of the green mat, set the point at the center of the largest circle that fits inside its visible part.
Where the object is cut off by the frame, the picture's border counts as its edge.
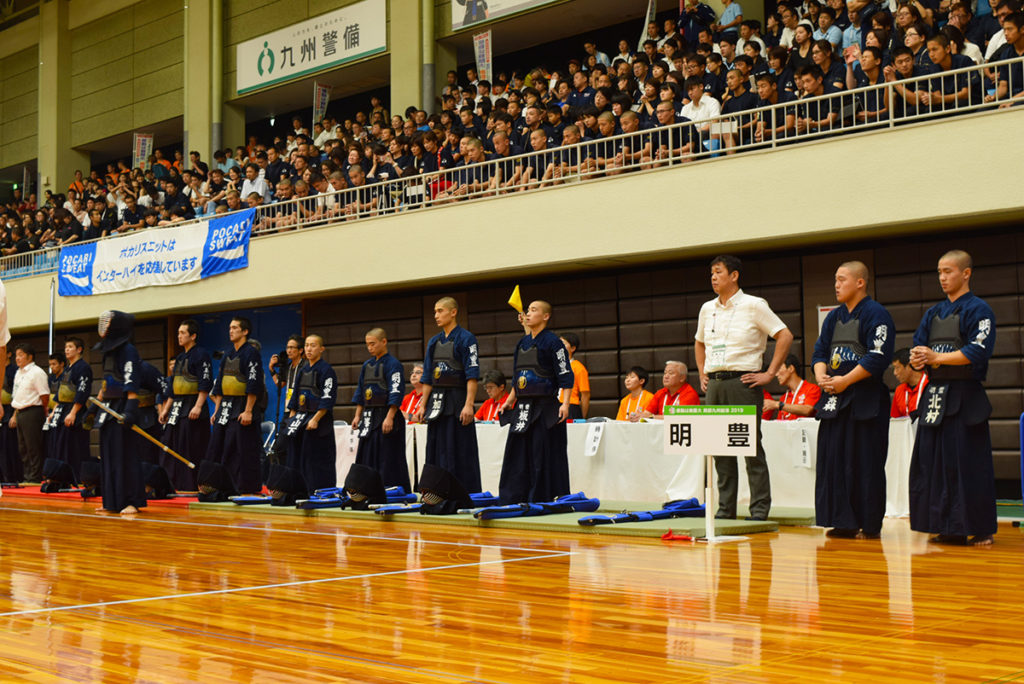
(561, 522)
(1010, 509)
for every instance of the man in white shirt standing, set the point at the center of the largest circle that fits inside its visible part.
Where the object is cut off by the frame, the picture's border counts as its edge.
(30, 396)
(732, 332)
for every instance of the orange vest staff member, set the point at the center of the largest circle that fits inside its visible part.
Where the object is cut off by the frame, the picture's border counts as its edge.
(904, 400)
(579, 400)
(800, 397)
(494, 385)
(411, 402)
(675, 391)
(638, 397)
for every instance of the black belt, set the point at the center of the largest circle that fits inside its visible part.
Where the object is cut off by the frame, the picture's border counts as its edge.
(727, 375)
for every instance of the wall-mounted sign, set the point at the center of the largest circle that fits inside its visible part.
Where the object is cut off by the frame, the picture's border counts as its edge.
(319, 43)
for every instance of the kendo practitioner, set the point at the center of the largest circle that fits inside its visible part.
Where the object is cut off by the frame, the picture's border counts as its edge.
(952, 482)
(235, 436)
(185, 413)
(283, 378)
(130, 386)
(57, 363)
(11, 465)
(381, 425)
(310, 427)
(70, 441)
(852, 352)
(451, 374)
(536, 463)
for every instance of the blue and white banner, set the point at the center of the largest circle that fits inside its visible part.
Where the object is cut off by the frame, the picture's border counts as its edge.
(156, 256)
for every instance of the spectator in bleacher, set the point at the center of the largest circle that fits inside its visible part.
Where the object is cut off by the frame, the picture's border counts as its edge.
(695, 16)
(948, 92)
(1010, 77)
(800, 56)
(728, 24)
(790, 20)
(816, 115)
(671, 143)
(827, 29)
(908, 393)
(833, 70)
(175, 201)
(637, 398)
(702, 106)
(740, 100)
(727, 45)
(77, 185)
(852, 33)
(800, 397)
(874, 104)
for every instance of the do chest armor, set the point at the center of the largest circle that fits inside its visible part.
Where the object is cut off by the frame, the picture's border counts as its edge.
(943, 337)
(448, 371)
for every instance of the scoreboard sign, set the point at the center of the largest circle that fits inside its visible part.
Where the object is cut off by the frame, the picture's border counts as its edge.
(711, 430)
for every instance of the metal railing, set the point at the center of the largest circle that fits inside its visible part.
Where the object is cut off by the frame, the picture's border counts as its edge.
(884, 105)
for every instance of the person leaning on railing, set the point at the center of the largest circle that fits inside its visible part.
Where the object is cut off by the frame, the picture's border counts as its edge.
(1010, 77)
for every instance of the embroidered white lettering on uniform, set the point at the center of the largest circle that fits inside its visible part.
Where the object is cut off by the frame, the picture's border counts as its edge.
(127, 372)
(396, 382)
(562, 361)
(984, 329)
(881, 333)
(473, 356)
(328, 385)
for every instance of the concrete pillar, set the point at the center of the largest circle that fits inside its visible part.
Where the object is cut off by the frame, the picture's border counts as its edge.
(233, 127)
(56, 160)
(406, 42)
(428, 44)
(198, 92)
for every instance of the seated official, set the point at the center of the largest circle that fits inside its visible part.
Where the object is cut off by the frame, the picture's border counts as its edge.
(912, 382)
(494, 384)
(675, 391)
(638, 397)
(800, 396)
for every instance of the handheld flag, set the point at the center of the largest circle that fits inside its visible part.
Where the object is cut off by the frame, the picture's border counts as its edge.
(515, 301)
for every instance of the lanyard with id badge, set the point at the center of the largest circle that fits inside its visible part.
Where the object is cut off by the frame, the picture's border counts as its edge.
(719, 342)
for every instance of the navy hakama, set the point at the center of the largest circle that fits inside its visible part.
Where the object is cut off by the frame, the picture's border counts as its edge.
(952, 479)
(853, 435)
(451, 360)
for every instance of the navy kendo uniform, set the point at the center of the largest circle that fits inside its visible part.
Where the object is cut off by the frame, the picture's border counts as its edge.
(853, 437)
(122, 450)
(193, 374)
(313, 452)
(381, 382)
(235, 446)
(536, 463)
(952, 481)
(451, 360)
(71, 444)
(10, 458)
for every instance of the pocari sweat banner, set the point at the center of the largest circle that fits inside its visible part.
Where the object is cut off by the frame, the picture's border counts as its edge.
(156, 256)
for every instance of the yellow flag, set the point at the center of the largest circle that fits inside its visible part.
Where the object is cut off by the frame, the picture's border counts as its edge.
(515, 301)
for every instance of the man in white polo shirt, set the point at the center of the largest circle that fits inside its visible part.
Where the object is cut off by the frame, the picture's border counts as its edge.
(30, 396)
(732, 332)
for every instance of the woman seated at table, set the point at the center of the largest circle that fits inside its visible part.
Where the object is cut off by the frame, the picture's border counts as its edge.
(636, 400)
(494, 385)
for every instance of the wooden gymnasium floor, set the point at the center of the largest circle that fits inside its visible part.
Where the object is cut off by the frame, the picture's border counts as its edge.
(176, 596)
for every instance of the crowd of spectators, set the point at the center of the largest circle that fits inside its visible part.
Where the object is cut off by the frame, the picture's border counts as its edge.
(689, 69)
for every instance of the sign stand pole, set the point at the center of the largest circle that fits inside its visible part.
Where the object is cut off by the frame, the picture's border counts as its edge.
(711, 505)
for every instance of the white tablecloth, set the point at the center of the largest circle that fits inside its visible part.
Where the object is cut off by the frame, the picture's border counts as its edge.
(629, 463)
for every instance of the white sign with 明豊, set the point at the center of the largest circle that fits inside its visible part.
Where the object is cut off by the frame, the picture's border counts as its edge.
(711, 430)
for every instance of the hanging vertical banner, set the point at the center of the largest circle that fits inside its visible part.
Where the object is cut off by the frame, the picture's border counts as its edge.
(482, 50)
(652, 9)
(142, 147)
(321, 96)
